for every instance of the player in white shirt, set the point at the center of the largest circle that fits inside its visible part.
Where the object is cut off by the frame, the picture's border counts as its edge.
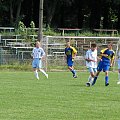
(91, 62)
(38, 54)
(118, 66)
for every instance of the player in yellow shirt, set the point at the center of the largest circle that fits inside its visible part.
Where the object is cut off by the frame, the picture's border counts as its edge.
(70, 53)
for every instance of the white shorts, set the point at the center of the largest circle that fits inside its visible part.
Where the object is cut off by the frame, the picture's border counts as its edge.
(119, 63)
(92, 70)
(37, 63)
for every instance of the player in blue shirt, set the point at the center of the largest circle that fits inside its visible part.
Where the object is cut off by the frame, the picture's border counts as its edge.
(70, 53)
(107, 58)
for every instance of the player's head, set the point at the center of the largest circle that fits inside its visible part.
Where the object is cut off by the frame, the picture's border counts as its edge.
(68, 44)
(37, 44)
(110, 45)
(93, 46)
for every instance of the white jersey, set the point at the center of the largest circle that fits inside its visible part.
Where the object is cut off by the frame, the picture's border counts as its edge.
(38, 52)
(92, 55)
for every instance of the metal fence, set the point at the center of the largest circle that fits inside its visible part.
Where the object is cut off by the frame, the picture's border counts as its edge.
(54, 47)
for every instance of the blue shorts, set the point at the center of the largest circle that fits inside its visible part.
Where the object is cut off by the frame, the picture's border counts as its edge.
(92, 70)
(103, 66)
(70, 63)
(37, 63)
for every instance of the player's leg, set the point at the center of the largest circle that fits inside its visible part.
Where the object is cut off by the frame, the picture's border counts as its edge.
(41, 70)
(71, 68)
(106, 69)
(36, 73)
(99, 68)
(93, 73)
(35, 69)
(91, 76)
(95, 78)
(118, 71)
(118, 76)
(106, 78)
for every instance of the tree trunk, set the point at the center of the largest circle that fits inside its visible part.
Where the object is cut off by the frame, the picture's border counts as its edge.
(18, 11)
(106, 15)
(50, 10)
(95, 16)
(118, 23)
(11, 13)
(80, 13)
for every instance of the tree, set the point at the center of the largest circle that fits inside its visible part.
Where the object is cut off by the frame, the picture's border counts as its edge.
(15, 9)
(95, 15)
(50, 7)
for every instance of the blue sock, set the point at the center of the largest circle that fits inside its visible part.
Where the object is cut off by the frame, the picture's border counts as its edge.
(94, 81)
(73, 71)
(106, 79)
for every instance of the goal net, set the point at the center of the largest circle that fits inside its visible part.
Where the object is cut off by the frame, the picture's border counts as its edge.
(54, 47)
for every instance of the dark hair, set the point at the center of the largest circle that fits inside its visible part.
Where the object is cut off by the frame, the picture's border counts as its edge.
(110, 43)
(93, 45)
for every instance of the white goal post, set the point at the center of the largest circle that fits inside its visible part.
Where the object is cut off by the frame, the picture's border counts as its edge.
(54, 47)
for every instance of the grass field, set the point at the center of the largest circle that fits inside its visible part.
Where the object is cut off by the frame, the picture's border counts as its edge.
(60, 97)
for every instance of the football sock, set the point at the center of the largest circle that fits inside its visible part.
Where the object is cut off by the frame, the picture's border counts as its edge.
(106, 79)
(44, 72)
(91, 81)
(89, 78)
(94, 81)
(74, 72)
(36, 74)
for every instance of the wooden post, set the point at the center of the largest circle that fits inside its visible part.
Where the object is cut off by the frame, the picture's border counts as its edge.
(40, 33)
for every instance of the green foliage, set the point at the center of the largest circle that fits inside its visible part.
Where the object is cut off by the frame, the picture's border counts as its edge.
(49, 31)
(113, 16)
(32, 24)
(21, 27)
(16, 66)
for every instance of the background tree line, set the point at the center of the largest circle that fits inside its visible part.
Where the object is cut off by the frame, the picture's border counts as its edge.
(87, 14)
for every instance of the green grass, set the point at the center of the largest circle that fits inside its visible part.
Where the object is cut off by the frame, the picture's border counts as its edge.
(60, 97)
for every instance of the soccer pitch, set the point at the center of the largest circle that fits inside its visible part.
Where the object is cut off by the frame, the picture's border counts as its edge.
(60, 97)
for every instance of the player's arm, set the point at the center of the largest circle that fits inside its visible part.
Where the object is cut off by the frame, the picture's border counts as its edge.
(88, 59)
(32, 53)
(99, 58)
(112, 59)
(105, 55)
(43, 55)
(102, 53)
(74, 53)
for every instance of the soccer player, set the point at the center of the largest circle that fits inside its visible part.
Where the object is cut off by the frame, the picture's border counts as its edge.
(70, 53)
(91, 62)
(38, 54)
(107, 59)
(118, 67)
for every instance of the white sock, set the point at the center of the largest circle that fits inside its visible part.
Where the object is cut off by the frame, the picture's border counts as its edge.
(44, 72)
(91, 81)
(36, 74)
(89, 78)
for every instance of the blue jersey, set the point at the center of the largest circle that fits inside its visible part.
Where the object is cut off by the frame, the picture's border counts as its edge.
(104, 64)
(110, 53)
(70, 53)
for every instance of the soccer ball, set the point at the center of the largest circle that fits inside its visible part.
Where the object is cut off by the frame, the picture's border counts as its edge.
(88, 84)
